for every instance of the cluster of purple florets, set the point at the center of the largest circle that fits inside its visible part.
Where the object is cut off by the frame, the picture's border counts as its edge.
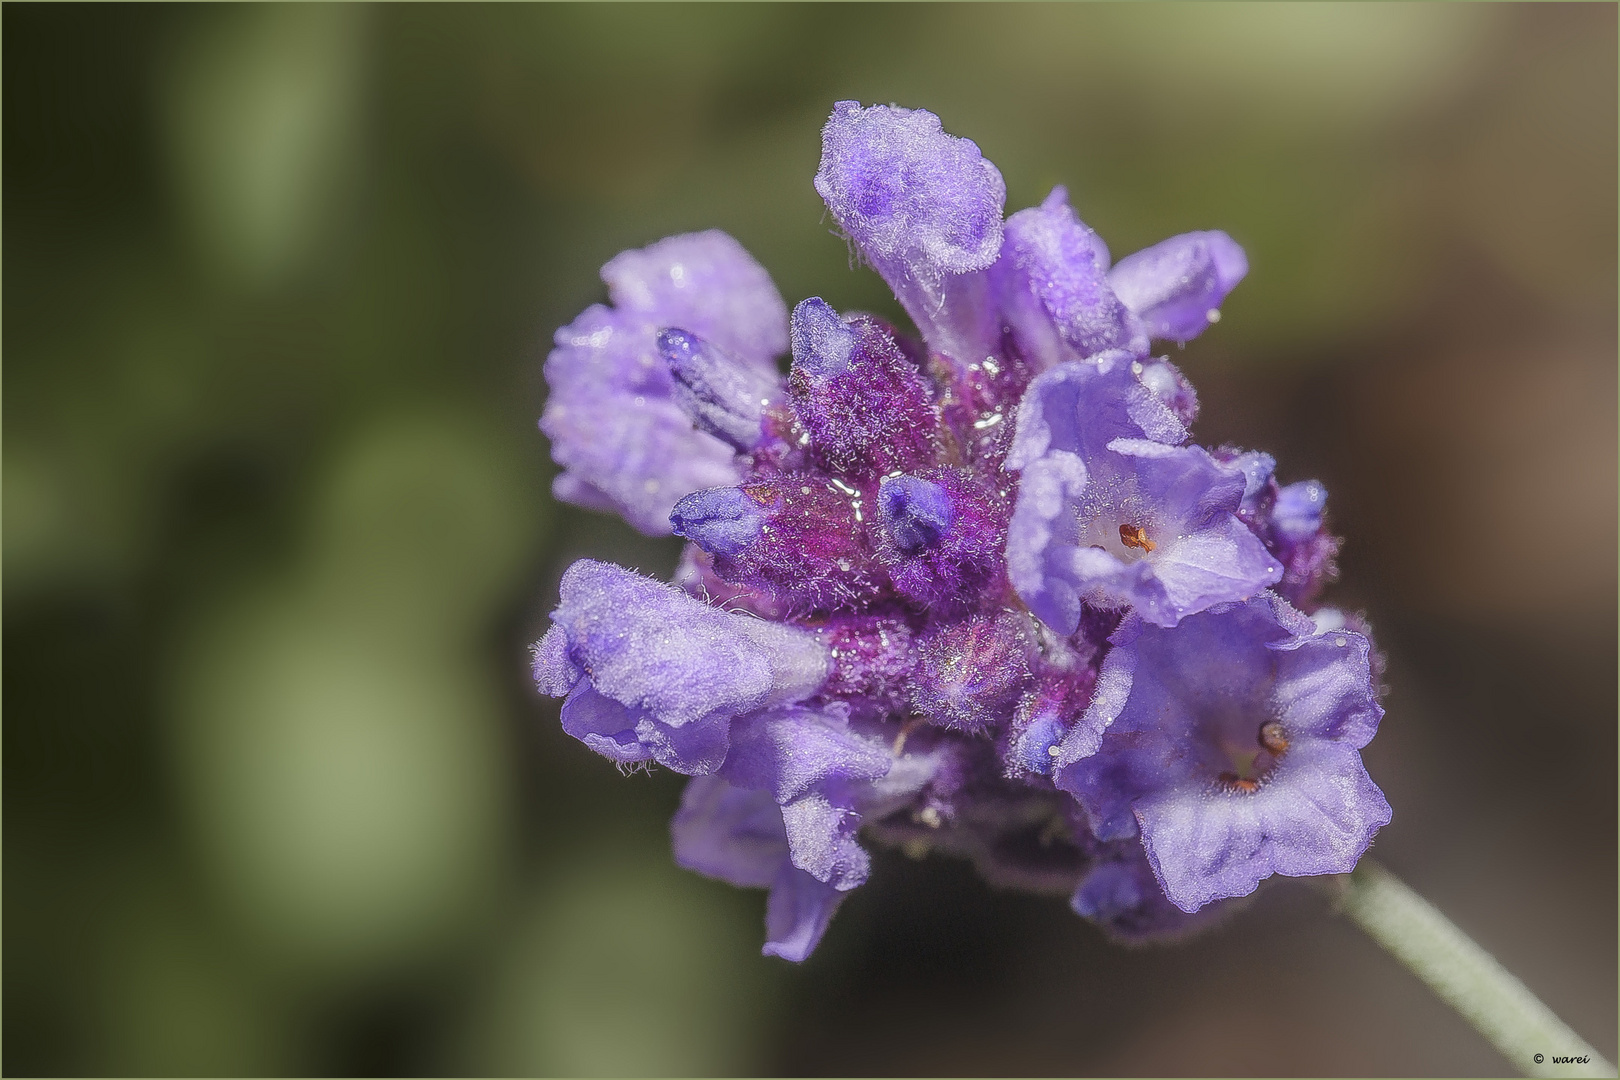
(975, 593)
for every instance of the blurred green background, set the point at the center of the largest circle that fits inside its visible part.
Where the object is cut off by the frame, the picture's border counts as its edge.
(278, 285)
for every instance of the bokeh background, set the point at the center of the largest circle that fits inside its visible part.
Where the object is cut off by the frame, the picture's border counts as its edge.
(278, 285)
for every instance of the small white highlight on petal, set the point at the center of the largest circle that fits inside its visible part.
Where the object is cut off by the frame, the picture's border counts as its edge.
(1213, 315)
(1054, 750)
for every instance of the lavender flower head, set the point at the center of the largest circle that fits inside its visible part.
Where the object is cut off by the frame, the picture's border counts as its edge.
(974, 591)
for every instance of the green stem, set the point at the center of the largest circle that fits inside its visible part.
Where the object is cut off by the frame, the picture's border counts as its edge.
(1465, 976)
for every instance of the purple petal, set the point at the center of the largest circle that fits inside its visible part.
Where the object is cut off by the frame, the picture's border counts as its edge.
(790, 751)
(1177, 285)
(1172, 387)
(1325, 686)
(821, 841)
(1316, 816)
(924, 208)
(1052, 284)
(622, 441)
(1082, 406)
(657, 661)
(907, 192)
(637, 455)
(571, 488)
(705, 283)
(797, 914)
(1221, 561)
(1113, 689)
(727, 833)
(604, 725)
(554, 673)
(1258, 469)
(1040, 539)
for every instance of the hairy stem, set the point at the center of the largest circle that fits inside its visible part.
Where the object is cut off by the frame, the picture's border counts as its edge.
(1466, 977)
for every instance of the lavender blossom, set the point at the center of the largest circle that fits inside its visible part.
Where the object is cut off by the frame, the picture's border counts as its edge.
(973, 592)
(651, 674)
(1112, 516)
(1231, 744)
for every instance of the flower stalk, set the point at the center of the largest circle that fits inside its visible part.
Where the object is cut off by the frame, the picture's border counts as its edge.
(1466, 977)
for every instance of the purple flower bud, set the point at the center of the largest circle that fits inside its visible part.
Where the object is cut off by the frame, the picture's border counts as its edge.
(916, 513)
(724, 397)
(1177, 285)
(873, 657)
(1031, 750)
(942, 536)
(970, 673)
(868, 408)
(724, 522)
(1306, 549)
(821, 341)
(798, 538)
(1045, 715)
